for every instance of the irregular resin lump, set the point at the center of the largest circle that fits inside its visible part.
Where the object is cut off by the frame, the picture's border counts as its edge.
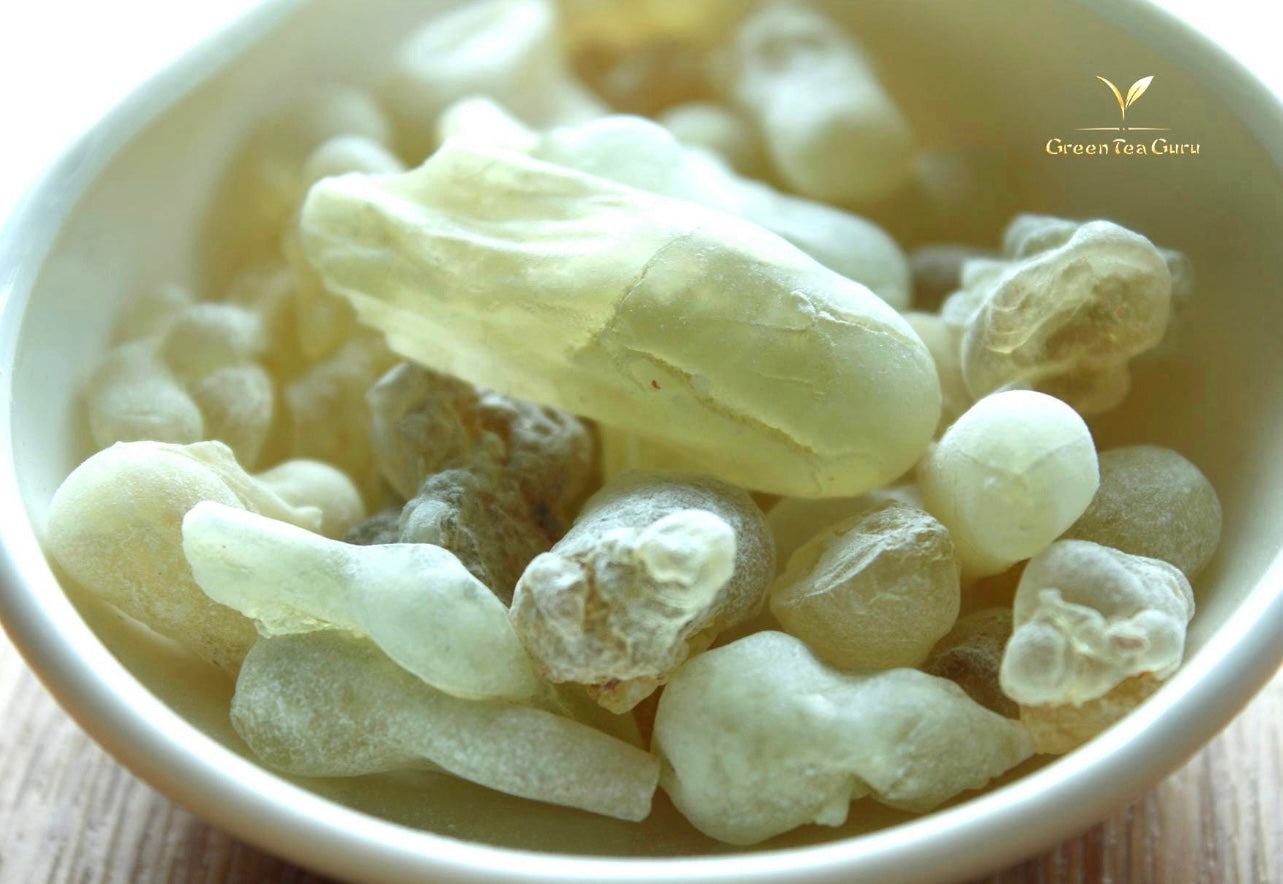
(655, 566)
(874, 591)
(332, 704)
(492, 479)
(415, 601)
(478, 513)
(759, 737)
(422, 422)
(1064, 318)
(1087, 617)
(565, 289)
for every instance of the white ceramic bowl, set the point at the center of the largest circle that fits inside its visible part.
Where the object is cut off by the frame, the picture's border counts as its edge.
(124, 208)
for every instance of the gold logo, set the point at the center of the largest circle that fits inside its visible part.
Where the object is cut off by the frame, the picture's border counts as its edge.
(1133, 95)
(1122, 145)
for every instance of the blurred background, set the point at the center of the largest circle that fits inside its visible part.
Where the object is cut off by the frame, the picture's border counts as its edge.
(63, 63)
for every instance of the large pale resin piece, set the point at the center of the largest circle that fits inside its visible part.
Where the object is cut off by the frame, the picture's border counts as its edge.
(759, 737)
(415, 600)
(646, 312)
(639, 152)
(332, 704)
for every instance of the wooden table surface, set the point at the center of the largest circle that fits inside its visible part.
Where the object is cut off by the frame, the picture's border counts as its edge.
(69, 813)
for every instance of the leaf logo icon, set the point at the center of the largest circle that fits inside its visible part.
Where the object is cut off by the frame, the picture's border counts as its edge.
(1133, 94)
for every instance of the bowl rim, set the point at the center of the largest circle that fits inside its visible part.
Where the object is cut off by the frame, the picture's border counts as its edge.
(173, 756)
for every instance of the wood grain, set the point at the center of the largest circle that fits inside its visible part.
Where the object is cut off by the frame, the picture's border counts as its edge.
(68, 813)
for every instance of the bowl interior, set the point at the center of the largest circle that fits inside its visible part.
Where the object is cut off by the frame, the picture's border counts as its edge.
(996, 78)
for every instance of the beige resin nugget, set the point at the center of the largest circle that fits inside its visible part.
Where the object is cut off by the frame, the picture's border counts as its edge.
(942, 341)
(198, 377)
(795, 520)
(971, 655)
(148, 312)
(717, 128)
(325, 407)
(315, 483)
(646, 312)
(264, 181)
(1062, 728)
(323, 321)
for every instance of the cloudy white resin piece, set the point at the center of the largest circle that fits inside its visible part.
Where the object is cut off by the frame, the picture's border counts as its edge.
(642, 311)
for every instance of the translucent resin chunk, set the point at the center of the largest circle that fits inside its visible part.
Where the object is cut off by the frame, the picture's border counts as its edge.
(332, 704)
(1087, 617)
